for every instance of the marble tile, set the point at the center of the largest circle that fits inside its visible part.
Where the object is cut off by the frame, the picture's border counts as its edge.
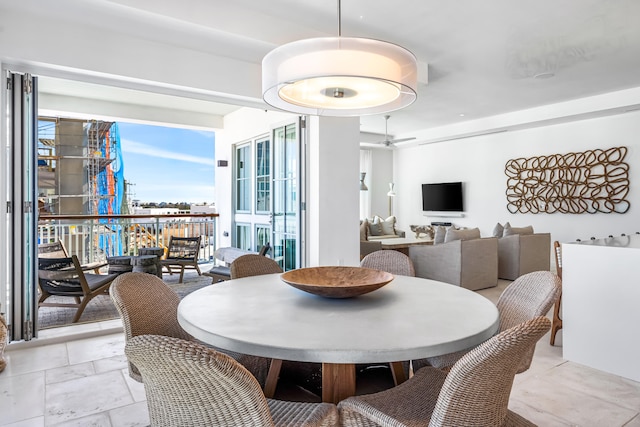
(608, 387)
(37, 358)
(22, 397)
(81, 397)
(136, 388)
(136, 415)
(537, 416)
(70, 372)
(114, 363)
(95, 348)
(33, 422)
(110, 324)
(68, 331)
(97, 420)
(635, 422)
(575, 407)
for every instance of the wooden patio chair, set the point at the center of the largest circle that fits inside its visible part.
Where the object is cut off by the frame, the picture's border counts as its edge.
(58, 250)
(65, 277)
(183, 253)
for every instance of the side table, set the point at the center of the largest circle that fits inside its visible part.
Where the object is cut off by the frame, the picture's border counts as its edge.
(158, 252)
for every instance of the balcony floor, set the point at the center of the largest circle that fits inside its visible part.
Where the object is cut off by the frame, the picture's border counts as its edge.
(101, 308)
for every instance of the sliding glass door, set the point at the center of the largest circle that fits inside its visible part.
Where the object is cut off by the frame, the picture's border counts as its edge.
(286, 196)
(18, 232)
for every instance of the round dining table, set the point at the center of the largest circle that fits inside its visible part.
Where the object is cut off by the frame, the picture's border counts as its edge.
(409, 318)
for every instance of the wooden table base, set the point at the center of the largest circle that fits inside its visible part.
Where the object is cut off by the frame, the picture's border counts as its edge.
(338, 379)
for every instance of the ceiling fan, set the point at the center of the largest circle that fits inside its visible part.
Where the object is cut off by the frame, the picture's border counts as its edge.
(389, 142)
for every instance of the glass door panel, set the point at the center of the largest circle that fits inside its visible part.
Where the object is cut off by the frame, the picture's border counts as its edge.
(285, 212)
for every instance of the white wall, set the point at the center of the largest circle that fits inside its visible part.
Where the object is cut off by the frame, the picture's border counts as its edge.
(381, 176)
(479, 162)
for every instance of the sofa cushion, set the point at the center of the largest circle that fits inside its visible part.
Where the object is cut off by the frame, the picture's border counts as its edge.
(388, 225)
(510, 231)
(364, 230)
(375, 229)
(438, 234)
(466, 234)
(498, 230)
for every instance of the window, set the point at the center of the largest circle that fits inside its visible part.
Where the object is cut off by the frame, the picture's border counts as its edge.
(263, 235)
(243, 236)
(263, 176)
(243, 182)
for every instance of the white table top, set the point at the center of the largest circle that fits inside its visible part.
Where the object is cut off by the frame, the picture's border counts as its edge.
(409, 318)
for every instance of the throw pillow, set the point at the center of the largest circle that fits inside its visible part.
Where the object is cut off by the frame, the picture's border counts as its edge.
(364, 230)
(375, 229)
(498, 230)
(467, 234)
(438, 234)
(510, 231)
(389, 226)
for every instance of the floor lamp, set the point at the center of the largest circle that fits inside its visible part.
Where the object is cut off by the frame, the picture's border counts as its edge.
(391, 194)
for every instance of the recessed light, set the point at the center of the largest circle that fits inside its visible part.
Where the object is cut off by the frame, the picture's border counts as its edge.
(542, 76)
(461, 114)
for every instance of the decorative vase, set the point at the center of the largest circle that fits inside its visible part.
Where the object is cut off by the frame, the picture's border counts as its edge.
(3, 341)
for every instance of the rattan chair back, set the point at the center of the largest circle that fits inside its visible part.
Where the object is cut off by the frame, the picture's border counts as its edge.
(188, 384)
(147, 305)
(393, 262)
(476, 390)
(529, 296)
(253, 265)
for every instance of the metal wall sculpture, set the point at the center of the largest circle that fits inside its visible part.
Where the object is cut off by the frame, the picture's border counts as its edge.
(588, 182)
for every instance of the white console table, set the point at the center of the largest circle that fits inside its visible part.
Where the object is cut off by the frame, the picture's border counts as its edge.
(601, 304)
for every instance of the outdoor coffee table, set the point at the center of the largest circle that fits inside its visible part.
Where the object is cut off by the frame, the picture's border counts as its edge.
(409, 318)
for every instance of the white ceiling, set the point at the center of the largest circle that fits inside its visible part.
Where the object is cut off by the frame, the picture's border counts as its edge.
(483, 56)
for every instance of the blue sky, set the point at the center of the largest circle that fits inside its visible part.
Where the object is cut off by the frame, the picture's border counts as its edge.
(168, 164)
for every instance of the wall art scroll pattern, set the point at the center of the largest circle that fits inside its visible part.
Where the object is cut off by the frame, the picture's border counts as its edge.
(588, 182)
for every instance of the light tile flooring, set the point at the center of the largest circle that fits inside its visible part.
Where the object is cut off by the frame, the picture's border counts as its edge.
(84, 382)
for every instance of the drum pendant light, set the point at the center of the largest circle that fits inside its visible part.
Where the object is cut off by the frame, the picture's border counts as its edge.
(339, 76)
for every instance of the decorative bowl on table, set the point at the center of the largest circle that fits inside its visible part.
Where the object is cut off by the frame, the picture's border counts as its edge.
(337, 282)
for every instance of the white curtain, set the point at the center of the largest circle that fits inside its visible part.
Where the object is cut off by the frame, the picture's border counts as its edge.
(365, 197)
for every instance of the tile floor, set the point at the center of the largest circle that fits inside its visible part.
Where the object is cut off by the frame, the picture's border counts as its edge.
(84, 382)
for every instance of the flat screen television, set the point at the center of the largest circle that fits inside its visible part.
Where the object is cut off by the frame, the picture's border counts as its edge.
(442, 197)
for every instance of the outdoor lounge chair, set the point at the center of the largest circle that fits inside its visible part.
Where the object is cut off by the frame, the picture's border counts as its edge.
(57, 250)
(65, 277)
(183, 254)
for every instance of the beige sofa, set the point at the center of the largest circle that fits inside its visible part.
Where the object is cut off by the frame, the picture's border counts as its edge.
(520, 254)
(472, 264)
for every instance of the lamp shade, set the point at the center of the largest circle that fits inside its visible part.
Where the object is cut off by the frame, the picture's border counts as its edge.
(339, 76)
(391, 192)
(363, 186)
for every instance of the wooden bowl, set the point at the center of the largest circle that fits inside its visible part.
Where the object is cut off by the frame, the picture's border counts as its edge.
(337, 282)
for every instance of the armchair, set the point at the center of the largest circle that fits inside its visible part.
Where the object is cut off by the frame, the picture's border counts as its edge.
(472, 264)
(520, 254)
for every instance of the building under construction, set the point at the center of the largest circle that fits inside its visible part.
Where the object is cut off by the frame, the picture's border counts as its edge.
(79, 167)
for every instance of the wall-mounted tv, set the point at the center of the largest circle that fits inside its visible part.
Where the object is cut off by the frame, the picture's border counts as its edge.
(442, 197)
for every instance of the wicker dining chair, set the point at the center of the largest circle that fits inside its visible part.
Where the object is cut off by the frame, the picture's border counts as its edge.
(391, 261)
(188, 384)
(148, 306)
(529, 296)
(474, 393)
(253, 265)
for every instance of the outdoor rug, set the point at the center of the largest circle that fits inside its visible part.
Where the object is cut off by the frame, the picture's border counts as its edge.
(101, 307)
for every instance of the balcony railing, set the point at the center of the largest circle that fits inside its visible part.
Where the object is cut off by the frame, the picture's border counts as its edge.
(96, 237)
